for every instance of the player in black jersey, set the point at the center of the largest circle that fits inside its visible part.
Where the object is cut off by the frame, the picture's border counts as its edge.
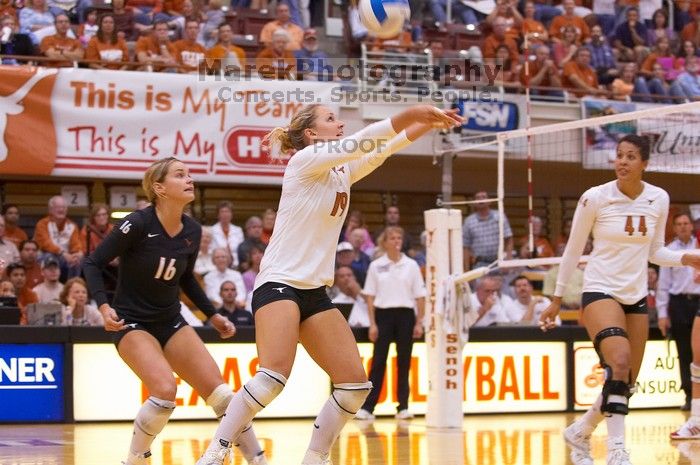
(157, 248)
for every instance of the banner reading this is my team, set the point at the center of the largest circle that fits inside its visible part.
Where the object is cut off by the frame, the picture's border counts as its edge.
(114, 124)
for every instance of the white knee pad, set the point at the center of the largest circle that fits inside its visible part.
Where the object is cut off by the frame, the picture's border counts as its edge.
(219, 399)
(349, 397)
(263, 388)
(695, 373)
(154, 415)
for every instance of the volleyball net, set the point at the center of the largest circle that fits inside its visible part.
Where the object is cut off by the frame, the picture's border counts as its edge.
(526, 162)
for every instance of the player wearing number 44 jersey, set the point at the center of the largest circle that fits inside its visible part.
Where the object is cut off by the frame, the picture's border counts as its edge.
(289, 302)
(628, 220)
(157, 249)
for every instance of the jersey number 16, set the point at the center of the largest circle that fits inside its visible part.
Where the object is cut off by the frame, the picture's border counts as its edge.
(167, 273)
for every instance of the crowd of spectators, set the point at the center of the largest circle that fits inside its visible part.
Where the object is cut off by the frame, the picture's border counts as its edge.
(639, 50)
(45, 270)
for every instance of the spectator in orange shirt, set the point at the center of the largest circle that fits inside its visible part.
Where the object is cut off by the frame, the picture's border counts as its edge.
(507, 9)
(691, 32)
(107, 46)
(563, 50)
(188, 52)
(498, 37)
(534, 30)
(28, 256)
(663, 56)
(268, 221)
(579, 77)
(13, 232)
(156, 49)
(58, 235)
(282, 21)
(276, 61)
(25, 296)
(7, 9)
(225, 55)
(543, 248)
(59, 46)
(543, 73)
(569, 18)
(97, 227)
(506, 71)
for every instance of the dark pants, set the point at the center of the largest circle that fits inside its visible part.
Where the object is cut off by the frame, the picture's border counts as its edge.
(393, 324)
(681, 311)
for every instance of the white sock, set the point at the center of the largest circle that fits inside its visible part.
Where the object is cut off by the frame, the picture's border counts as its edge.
(592, 417)
(248, 401)
(340, 407)
(616, 431)
(327, 427)
(695, 408)
(248, 443)
(151, 419)
(313, 457)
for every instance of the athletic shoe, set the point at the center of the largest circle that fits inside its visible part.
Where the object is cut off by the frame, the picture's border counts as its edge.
(404, 415)
(363, 414)
(579, 443)
(689, 430)
(316, 458)
(217, 455)
(259, 460)
(618, 457)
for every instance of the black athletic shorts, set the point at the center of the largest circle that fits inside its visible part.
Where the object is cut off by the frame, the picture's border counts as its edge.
(636, 308)
(161, 330)
(309, 301)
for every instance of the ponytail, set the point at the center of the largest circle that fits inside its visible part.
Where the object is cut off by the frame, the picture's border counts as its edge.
(283, 142)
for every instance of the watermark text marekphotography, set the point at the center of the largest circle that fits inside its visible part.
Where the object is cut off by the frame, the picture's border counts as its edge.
(446, 82)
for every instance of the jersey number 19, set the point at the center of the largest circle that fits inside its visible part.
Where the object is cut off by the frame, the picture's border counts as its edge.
(164, 272)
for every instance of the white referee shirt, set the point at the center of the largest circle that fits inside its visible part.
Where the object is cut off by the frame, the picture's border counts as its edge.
(676, 279)
(314, 202)
(627, 234)
(394, 284)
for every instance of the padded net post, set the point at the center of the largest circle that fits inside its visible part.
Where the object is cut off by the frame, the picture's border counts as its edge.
(443, 338)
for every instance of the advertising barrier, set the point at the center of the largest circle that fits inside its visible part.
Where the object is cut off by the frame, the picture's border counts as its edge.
(31, 382)
(658, 383)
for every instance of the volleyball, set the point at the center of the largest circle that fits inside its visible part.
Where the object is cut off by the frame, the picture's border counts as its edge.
(384, 18)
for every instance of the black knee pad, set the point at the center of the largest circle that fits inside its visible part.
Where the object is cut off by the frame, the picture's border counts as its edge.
(618, 388)
(605, 333)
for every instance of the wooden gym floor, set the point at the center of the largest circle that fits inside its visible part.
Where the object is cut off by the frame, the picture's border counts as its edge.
(523, 439)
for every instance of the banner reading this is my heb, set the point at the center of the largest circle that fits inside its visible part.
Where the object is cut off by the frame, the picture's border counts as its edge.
(114, 124)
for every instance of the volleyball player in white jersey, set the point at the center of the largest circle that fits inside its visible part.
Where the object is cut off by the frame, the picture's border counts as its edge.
(289, 301)
(628, 219)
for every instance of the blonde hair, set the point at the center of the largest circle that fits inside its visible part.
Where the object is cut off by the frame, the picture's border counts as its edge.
(383, 237)
(156, 173)
(390, 230)
(281, 141)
